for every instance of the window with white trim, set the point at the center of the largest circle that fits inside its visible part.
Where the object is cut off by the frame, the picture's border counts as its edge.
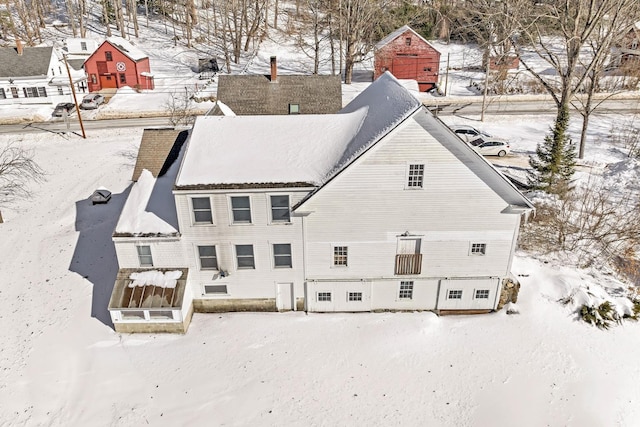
(324, 296)
(201, 210)
(282, 255)
(208, 258)
(454, 294)
(340, 256)
(144, 256)
(34, 92)
(406, 290)
(83, 45)
(294, 108)
(280, 208)
(244, 257)
(241, 209)
(354, 296)
(3, 95)
(215, 289)
(482, 293)
(415, 178)
(478, 248)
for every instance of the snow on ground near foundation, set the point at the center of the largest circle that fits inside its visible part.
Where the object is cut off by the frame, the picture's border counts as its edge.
(61, 363)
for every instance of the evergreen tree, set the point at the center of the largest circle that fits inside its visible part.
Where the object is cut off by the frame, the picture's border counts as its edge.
(554, 162)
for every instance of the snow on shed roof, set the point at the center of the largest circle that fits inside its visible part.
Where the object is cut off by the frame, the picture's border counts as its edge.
(397, 33)
(292, 149)
(127, 48)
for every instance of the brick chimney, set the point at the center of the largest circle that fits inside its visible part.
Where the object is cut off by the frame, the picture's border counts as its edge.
(274, 69)
(19, 48)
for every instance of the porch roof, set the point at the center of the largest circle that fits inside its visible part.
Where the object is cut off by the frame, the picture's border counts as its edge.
(148, 295)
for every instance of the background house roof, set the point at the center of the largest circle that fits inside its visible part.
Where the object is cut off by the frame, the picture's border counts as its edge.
(34, 61)
(397, 33)
(158, 150)
(257, 94)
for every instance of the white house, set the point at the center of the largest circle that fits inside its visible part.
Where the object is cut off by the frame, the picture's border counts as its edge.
(35, 75)
(378, 207)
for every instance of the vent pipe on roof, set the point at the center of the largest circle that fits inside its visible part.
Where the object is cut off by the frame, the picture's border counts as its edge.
(19, 48)
(274, 69)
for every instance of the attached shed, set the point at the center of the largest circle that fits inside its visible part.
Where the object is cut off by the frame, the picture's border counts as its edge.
(117, 63)
(407, 55)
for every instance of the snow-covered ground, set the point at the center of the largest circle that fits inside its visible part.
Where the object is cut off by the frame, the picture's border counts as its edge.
(61, 363)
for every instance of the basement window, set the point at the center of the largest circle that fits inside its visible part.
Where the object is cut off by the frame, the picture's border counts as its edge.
(294, 108)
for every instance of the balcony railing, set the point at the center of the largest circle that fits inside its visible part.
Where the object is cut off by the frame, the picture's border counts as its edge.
(408, 263)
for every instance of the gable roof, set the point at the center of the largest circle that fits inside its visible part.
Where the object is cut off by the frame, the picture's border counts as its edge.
(291, 150)
(124, 46)
(158, 150)
(397, 33)
(33, 62)
(257, 94)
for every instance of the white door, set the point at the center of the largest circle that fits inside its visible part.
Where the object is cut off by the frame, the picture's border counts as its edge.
(284, 296)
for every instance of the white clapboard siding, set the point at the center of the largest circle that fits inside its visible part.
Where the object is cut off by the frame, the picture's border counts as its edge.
(166, 253)
(261, 233)
(468, 301)
(367, 208)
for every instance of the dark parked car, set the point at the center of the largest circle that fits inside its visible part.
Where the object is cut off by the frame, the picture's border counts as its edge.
(101, 195)
(92, 101)
(62, 107)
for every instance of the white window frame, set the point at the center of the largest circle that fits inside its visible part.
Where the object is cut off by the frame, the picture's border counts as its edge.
(334, 255)
(3, 94)
(217, 285)
(484, 292)
(232, 220)
(354, 296)
(405, 291)
(294, 108)
(200, 257)
(149, 255)
(454, 294)
(477, 248)
(253, 257)
(272, 220)
(194, 221)
(324, 296)
(408, 185)
(275, 256)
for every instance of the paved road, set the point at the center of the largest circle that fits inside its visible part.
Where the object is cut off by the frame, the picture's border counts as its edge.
(59, 126)
(506, 105)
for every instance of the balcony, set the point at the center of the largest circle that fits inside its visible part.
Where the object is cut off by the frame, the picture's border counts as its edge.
(408, 264)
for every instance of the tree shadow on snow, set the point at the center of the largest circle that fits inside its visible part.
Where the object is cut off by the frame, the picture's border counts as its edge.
(94, 257)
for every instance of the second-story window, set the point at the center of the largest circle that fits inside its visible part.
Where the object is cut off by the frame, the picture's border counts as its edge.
(415, 178)
(83, 45)
(280, 209)
(144, 256)
(202, 210)
(244, 257)
(108, 56)
(340, 256)
(241, 209)
(208, 258)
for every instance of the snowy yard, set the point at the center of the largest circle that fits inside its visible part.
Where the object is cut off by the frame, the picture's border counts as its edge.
(62, 364)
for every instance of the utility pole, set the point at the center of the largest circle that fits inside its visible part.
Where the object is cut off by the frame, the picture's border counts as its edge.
(75, 100)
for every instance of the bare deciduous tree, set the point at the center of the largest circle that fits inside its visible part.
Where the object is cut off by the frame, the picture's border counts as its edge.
(17, 170)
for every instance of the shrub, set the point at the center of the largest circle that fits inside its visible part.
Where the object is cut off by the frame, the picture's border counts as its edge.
(600, 316)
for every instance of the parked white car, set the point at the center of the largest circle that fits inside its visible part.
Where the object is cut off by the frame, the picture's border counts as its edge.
(468, 133)
(92, 101)
(491, 146)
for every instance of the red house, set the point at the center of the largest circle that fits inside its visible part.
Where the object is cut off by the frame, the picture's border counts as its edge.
(407, 55)
(117, 63)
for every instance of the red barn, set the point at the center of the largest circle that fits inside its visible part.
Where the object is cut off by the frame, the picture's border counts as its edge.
(407, 55)
(117, 63)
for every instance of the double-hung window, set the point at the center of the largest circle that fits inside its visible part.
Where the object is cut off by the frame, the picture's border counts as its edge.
(280, 209)
(340, 255)
(244, 256)
(406, 290)
(241, 209)
(282, 255)
(202, 210)
(144, 256)
(208, 258)
(415, 177)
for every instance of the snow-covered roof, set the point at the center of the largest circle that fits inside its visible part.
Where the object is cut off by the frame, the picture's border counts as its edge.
(292, 149)
(127, 48)
(397, 33)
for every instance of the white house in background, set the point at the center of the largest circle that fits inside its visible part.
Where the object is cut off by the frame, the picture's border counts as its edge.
(34, 75)
(378, 207)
